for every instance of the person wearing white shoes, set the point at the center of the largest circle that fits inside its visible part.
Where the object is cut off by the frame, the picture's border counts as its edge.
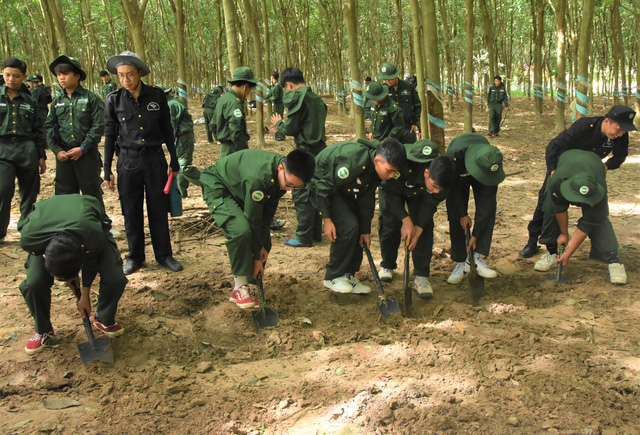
(580, 180)
(479, 167)
(407, 205)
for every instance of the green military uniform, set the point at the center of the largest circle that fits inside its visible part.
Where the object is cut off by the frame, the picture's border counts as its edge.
(77, 121)
(369, 108)
(22, 145)
(108, 87)
(580, 174)
(42, 95)
(242, 192)
(407, 98)
(409, 188)
(468, 152)
(274, 95)
(387, 121)
(230, 124)
(306, 115)
(344, 190)
(496, 97)
(208, 110)
(82, 217)
(182, 124)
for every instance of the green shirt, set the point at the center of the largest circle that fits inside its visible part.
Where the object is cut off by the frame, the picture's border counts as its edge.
(569, 164)
(498, 95)
(81, 216)
(181, 120)
(208, 111)
(250, 176)
(42, 96)
(274, 95)
(76, 121)
(108, 87)
(408, 100)
(229, 118)
(306, 115)
(347, 168)
(387, 120)
(20, 118)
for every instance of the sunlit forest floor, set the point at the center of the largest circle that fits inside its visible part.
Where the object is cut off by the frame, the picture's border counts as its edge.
(532, 356)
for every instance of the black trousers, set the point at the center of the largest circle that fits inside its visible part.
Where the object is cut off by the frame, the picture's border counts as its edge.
(143, 174)
(535, 224)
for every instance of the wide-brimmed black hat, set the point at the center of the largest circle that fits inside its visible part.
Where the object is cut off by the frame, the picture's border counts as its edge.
(71, 61)
(127, 58)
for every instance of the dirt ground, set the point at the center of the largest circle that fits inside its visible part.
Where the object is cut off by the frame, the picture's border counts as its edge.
(532, 356)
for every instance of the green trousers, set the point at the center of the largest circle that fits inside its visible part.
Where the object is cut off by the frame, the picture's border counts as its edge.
(207, 113)
(36, 288)
(18, 160)
(345, 255)
(184, 150)
(227, 148)
(82, 175)
(279, 109)
(389, 233)
(495, 117)
(309, 227)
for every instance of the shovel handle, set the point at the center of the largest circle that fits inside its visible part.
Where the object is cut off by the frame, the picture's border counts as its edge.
(405, 282)
(167, 186)
(374, 271)
(260, 289)
(85, 320)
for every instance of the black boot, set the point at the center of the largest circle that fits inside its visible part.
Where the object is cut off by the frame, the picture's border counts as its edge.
(530, 249)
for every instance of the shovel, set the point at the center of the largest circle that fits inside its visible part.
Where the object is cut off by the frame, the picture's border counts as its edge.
(386, 305)
(93, 349)
(265, 317)
(476, 282)
(405, 283)
(558, 275)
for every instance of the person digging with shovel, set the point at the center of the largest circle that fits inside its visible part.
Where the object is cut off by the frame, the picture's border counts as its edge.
(64, 235)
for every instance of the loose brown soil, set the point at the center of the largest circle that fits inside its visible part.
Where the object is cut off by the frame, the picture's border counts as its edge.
(532, 356)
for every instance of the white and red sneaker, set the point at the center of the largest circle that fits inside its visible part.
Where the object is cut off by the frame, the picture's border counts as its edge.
(242, 298)
(38, 342)
(110, 331)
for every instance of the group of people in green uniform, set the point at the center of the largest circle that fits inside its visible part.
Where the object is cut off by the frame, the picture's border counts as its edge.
(333, 188)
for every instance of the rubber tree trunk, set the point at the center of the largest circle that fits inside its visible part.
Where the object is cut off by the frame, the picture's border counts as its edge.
(469, 24)
(351, 21)
(561, 64)
(399, 42)
(252, 22)
(231, 28)
(49, 25)
(266, 51)
(636, 120)
(584, 54)
(489, 37)
(416, 24)
(444, 13)
(434, 90)
(134, 16)
(538, 36)
(177, 6)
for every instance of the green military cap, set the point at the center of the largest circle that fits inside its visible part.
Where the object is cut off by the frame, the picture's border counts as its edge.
(388, 71)
(243, 73)
(484, 163)
(422, 151)
(216, 92)
(71, 61)
(292, 100)
(165, 89)
(34, 78)
(376, 92)
(127, 58)
(582, 188)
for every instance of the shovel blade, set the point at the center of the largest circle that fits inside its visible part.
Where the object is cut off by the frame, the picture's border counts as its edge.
(265, 317)
(476, 282)
(388, 306)
(100, 351)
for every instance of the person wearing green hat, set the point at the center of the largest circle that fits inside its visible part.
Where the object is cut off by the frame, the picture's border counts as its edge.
(407, 205)
(182, 124)
(229, 115)
(274, 95)
(306, 115)
(138, 119)
(580, 180)
(108, 84)
(403, 93)
(496, 97)
(22, 144)
(74, 128)
(208, 109)
(386, 117)
(479, 167)
(40, 93)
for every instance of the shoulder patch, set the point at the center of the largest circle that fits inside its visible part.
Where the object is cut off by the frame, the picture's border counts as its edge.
(343, 172)
(257, 195)
(153, 106)
(237, 113)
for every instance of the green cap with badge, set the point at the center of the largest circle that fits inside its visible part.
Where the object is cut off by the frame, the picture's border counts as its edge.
(376, 92)
(35, 78)
(582, 188)
(484, 163)
(388, 71)
(422, 151)
(243, 74)
(75, 64)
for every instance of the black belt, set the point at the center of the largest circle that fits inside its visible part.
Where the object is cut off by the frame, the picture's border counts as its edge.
(14, 139)
(141, 150)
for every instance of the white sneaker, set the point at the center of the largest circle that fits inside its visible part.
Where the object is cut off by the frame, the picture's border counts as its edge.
(338, 285)
(386, 275)
(617, 275)
(546, 262)
(482, 268)
(458, 273)
(423, 287)
(358, 287)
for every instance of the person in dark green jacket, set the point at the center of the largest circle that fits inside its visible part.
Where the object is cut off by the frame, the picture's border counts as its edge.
(496, 97)
(74, 128)
(407, 206)
(208, 110)
(274, 95)
(40, 93)
(108, 84)
(386, 118)
(22, 143)
(344, 191)
(229, 115)
(580, 180)
(306, 115)
(64, 235)
(242, 191)
(403, 93)
(479, 167)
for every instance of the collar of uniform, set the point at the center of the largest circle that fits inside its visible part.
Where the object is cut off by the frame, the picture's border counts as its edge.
(234, 93)
(143, 85)
(79, 91)
(21, 91)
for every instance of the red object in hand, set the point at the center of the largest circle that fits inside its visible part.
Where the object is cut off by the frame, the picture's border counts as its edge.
(168, 185)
